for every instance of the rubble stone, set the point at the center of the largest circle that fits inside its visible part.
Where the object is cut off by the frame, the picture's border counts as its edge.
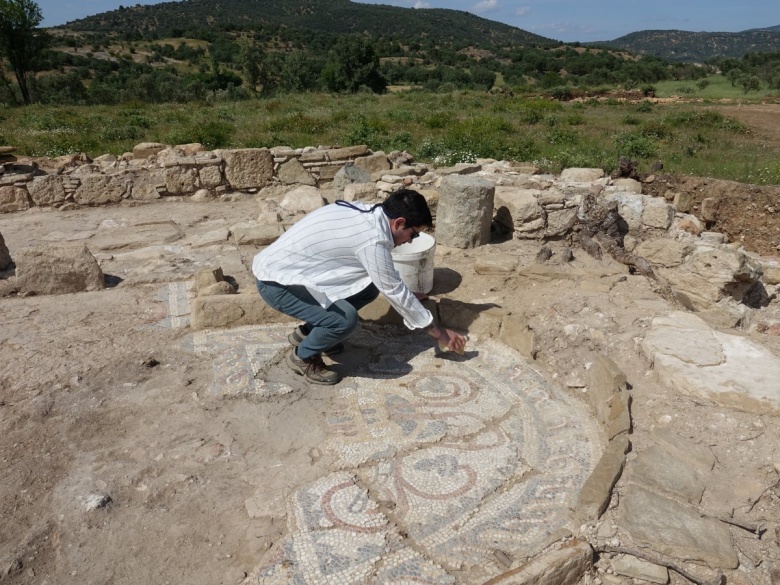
(597, 490)
(293, 173)
(375, 163)
(349, 173)
(13, 199)
(97, 189)
(640, 569)
(259, 234)
(181, 180)
(581, 175)
(564, 566)
(5, 255)
(248, 167)
(46, 190)
(58, 269)
(210, 176)
(303, 198)
(233, 311)
(146, 149)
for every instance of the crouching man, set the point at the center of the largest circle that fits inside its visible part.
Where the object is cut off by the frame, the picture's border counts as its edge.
(335, 261)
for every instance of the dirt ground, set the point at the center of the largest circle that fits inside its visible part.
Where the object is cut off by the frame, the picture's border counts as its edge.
(119, 466)
(747, 213)
(99, 399)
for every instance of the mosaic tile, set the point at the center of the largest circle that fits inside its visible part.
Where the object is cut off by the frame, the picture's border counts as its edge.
(239, 356)
(464, 455)
(407, 567)
(173, 306)
(332, 557)
(334, 501)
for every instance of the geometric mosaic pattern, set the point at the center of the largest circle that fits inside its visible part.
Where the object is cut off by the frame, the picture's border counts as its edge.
(173, 306)
(239, 356)
(444, 464)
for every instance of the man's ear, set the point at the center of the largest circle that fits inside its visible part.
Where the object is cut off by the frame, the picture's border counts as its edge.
(398, 223)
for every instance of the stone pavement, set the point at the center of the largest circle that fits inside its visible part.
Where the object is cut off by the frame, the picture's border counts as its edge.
(446, 467)
(728, 369)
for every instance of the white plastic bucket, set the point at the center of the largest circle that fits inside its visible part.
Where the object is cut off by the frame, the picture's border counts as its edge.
(414, 262)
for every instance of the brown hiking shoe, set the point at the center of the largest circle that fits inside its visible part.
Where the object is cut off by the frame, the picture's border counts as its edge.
(297, 336)
(313, 369)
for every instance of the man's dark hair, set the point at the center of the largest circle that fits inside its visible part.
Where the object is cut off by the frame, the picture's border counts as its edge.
(410, 205)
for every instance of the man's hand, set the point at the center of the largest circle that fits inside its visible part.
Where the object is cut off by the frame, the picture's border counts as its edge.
(448, 338)
(454, 341)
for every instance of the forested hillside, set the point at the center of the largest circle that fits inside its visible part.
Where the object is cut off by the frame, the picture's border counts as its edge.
(680, 45)
(198, 50)
(194, 18)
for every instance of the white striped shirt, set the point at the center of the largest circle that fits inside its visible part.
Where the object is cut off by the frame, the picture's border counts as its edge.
(336, 252)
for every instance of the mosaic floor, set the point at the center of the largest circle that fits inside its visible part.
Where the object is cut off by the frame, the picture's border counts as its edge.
(448, 469)
(172, 306)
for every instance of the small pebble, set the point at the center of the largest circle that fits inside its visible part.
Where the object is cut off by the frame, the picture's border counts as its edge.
(96, 501)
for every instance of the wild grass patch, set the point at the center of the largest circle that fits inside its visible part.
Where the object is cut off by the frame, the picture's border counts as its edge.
(444, 129)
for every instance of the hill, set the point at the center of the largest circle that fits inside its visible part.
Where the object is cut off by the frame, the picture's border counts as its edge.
(192, 17)
(680, 45)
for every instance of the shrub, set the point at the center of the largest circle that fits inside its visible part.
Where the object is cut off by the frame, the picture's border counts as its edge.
(656, 129)
(297, 122)
(210, 132)
(533, 111)
(645, 106)
(115, 133)
(636, 145)
(561, 93)
(374, 133)
(705, 119)
(436, 120)
(563, 136)
(480, 137)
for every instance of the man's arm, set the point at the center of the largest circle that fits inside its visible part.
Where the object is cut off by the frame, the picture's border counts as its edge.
(378, 262)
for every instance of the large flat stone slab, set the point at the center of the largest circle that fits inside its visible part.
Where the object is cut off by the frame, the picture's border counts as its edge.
(137, 236)
(671, 528)
(727, 369)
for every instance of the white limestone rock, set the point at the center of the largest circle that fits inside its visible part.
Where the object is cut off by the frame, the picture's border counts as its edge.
(304, 198)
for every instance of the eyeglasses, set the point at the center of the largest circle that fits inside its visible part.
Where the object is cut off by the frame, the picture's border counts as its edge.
(415, 233)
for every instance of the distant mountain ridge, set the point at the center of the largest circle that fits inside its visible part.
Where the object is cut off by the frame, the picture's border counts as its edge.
(769, 28)
(443, 27)
(326, 16)
(680, 45)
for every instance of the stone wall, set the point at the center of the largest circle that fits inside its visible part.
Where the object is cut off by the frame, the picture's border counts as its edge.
(155, 171)
(702, 268)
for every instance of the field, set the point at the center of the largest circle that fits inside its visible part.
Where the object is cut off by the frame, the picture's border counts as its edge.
(694, 135)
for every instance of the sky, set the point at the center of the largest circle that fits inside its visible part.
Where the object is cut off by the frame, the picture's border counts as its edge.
(564, 20)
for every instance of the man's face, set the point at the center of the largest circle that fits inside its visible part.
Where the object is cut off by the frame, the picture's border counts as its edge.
(401, 233)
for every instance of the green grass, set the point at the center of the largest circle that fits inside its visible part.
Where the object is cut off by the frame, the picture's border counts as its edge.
(689, 138)
(717, 88)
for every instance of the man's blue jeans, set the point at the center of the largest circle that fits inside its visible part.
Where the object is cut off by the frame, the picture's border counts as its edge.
(324, 327)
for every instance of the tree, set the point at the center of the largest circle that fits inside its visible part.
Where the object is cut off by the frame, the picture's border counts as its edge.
(251, 62)
(353, 64)
(750, 83)
(733, 75)
(20, 41)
